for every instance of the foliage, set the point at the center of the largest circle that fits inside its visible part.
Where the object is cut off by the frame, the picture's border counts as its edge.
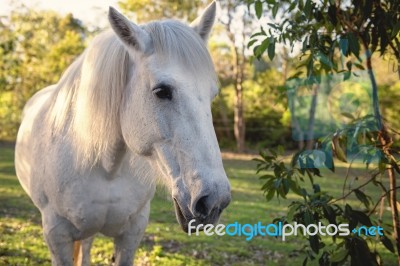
(263, 115)
(317, 205)
(36, 47)
(325, 27)
(147, 10)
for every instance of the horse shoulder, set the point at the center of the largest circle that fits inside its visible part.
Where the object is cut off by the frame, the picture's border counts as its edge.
(29, 134)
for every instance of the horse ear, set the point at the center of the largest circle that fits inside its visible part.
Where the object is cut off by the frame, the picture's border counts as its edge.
(129, 33)
(203, 24)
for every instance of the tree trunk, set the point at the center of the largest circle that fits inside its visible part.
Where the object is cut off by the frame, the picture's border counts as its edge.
(386, 141)
(239, 124)
(238, 61)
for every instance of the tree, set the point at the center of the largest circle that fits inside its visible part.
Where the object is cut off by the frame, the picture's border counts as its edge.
(147, 10)
(35, 46)
(333, 34)
(237, 24)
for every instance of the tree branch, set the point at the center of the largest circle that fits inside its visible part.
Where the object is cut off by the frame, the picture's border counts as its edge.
(383, 196)
(354, 189)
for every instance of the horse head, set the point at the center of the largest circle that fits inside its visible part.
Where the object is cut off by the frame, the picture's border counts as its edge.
(165, 113)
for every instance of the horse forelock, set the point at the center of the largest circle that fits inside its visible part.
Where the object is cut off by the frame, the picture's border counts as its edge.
(177, 42)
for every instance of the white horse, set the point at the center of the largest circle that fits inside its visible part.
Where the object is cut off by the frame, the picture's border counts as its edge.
(134, 106)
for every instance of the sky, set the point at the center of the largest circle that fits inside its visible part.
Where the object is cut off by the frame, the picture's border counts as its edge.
(91, 12)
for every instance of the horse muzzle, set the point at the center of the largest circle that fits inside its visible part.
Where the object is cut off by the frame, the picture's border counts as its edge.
(200, 212)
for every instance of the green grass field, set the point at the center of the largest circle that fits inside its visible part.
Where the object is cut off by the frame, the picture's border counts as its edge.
(21, 241)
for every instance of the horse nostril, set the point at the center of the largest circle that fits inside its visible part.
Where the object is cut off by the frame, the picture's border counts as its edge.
(201, 206)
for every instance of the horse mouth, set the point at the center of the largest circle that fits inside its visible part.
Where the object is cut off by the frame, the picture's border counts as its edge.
(182, 220)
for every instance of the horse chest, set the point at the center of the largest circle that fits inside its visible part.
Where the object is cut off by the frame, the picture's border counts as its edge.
(105, 205)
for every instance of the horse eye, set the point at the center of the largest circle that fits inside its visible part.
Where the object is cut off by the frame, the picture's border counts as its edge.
(163, 92)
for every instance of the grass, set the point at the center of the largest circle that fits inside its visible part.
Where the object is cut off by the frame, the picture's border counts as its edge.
(22, 243)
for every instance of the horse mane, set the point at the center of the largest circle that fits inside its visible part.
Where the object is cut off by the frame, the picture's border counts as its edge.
(89, 95)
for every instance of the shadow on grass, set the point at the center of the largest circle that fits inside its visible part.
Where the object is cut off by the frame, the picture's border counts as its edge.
(9, 256)
(8, 170)
(20, 208)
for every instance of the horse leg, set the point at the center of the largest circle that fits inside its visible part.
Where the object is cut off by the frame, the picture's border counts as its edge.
(82, 251)
(58, 233)
(126, 244)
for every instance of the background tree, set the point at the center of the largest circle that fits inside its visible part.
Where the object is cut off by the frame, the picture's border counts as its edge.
(237, 23)
(147, 10)
(36, 47)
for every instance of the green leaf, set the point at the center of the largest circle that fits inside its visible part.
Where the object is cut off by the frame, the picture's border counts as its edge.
(258, 160)
(270, 194)
(362, 197)
(346, 75)
(396, 29)
(344, 45)
(294, 187)
(268, 185)
(325, 61)
(384, 38)
(275, 9)
(360, 253)
(329, 213)
(251, 42)
(295, 158)
(339, 255)
(361, 217)
(314, 243)
(348, 115)
(292, 5)
(285, 186)
(316, 188)
(266, 177)
(349, 65)
(305, 261)
(332, 13)
(278, 183)
(354, 44)
(308, 218)
(271, 50)
(367, 9)
(273, 26)
(261, 48)
(257, 34)
(259, 8)
(296, 75)
(359, 66)
(387, 243)
(307, 8)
